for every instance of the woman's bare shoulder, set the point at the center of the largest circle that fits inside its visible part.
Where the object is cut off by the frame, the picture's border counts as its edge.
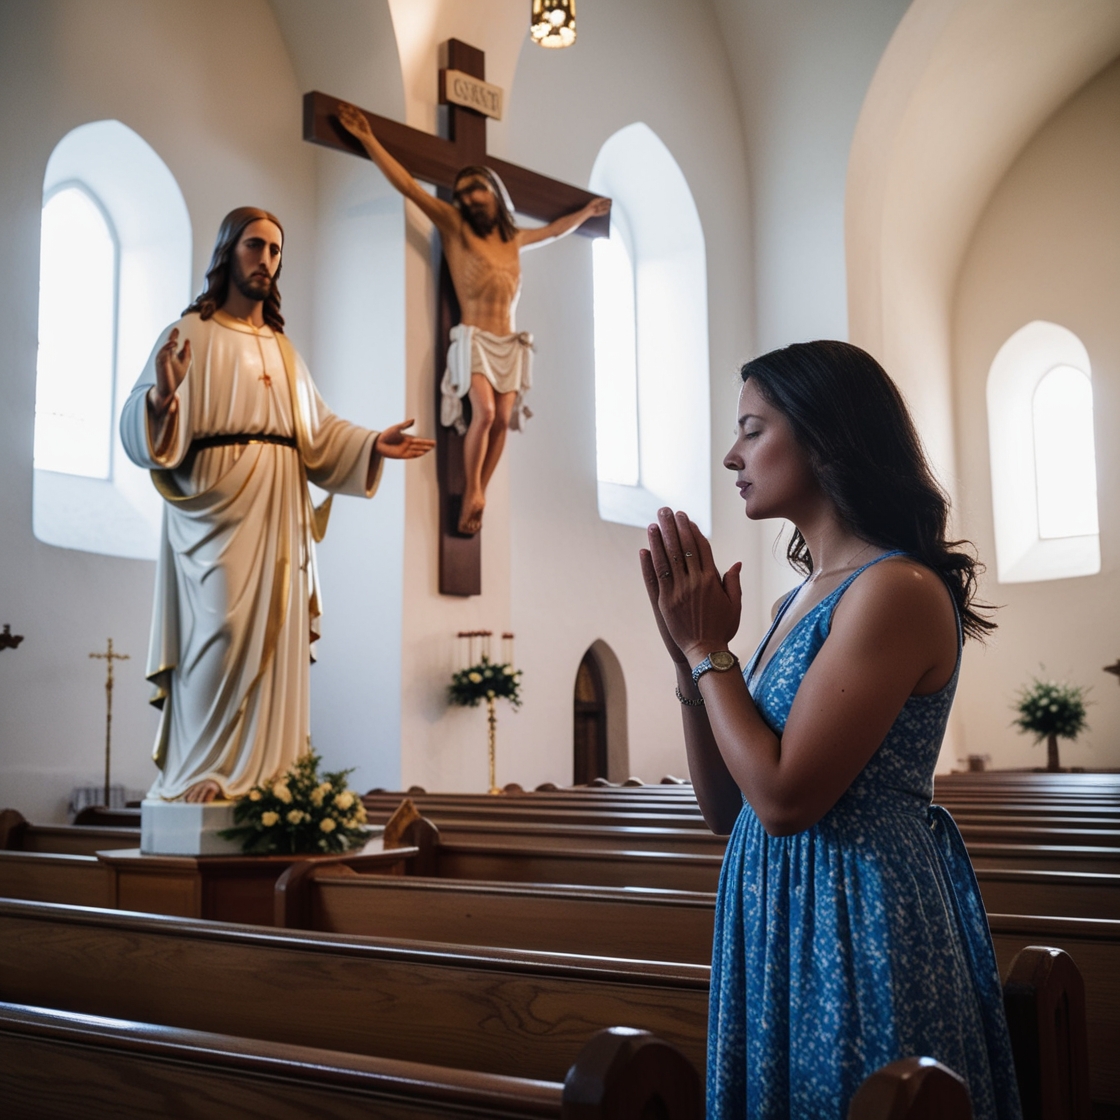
(900, 583)
(901, 599)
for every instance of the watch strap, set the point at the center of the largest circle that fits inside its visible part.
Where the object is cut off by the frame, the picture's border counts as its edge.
(706, 665)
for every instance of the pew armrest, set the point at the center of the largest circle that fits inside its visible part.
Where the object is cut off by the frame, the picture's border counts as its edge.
(13, 825)
(625, 1072)
(292, 895)
(1044, 997)
(912, 1089)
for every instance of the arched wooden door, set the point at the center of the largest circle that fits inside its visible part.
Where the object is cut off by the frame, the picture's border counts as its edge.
(590, 722)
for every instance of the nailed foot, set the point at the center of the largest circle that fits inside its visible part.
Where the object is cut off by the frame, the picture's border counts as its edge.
(207, 790)
(470, 520)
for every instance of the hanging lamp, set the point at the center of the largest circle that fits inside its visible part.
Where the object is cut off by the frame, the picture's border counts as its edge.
(553, 23)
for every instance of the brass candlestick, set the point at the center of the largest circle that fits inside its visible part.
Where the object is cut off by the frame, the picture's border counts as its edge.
(492, 719)
(109, 657)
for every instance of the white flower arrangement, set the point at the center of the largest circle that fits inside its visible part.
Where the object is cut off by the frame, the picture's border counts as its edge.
(300, 812)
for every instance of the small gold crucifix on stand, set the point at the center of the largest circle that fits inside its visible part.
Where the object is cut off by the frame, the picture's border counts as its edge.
(109, 657)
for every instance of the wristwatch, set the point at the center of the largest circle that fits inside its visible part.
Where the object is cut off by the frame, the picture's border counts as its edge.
(721, 661)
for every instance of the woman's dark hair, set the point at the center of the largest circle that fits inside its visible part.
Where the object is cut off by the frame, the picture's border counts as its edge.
(218, 274)
(865, 452)
(507, 227)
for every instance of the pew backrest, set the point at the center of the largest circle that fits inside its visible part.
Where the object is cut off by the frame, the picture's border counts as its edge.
(498, 1011)
(596, 921)
(55, 1063)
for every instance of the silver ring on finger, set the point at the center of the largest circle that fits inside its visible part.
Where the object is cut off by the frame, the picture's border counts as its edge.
(666, 574)
(688, 555)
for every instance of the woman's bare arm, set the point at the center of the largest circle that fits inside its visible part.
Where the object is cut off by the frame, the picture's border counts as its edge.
(893, 632)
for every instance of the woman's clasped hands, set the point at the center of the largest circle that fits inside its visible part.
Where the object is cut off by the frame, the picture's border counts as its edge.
(697, 610)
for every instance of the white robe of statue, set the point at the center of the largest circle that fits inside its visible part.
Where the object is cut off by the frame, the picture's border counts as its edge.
(236, 597)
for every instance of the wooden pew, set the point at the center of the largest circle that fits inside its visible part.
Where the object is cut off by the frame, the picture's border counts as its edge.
(581, 866)
(1073, 894)
(651, 925)
(1094, 946)
(84, 1067)
(44, 877)
(599, 921)
(1044, 996)
(18, 834)
(219, 888)
(1017, 831)
(1045, 857)
(1076, 849)
(912, 1089)
(532, 834)
(524, 809)
(493, 1010)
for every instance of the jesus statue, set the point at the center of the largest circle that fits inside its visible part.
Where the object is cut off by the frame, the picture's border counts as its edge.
(229, 422)
(488, 360)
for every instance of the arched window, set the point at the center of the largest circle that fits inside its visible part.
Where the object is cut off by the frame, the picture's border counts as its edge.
(1044, 477)
(616, 356)
(77, 335)
(115, 258)
(653, 445)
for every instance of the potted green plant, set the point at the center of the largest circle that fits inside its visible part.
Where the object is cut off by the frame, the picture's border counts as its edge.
(1051, 711)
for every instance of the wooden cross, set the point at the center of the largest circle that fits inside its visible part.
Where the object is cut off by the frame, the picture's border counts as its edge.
(109, 656)
(435, 160)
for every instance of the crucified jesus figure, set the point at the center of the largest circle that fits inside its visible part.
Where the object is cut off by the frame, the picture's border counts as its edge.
(487, 361)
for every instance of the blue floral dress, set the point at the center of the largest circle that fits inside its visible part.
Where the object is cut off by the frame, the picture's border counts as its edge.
(857, 942)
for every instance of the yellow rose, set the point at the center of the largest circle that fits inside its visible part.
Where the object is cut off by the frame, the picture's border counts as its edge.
(294, 816)
(254, 795)
(360, 813)
(344, 800)
(327, 825)
(317, 797)
(474, 678)
(269, 819)
(281, 792)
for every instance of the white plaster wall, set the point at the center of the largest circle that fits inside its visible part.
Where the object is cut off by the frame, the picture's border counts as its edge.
(576, 578)
(348, 48)
(1045, 248)
(801, 70)
(960, 89)
(210, 87)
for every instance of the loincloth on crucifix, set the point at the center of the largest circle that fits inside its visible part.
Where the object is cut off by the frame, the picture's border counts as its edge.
(506, 361)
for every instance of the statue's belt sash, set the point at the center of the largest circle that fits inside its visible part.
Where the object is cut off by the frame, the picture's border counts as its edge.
(241, 439)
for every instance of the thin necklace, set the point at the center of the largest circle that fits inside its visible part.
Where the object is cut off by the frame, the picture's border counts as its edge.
(843, 567)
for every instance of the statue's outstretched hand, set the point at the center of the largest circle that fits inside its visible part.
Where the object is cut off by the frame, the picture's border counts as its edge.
(171, 368)
(354, 121)
(395, 443)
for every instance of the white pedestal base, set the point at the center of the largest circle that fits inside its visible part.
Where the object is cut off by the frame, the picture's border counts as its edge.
(177, 828)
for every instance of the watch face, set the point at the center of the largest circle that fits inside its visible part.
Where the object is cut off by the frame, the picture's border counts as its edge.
(722, 660)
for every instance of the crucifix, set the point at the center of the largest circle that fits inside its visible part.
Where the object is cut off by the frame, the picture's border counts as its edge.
(437, 160)
(109, 657)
